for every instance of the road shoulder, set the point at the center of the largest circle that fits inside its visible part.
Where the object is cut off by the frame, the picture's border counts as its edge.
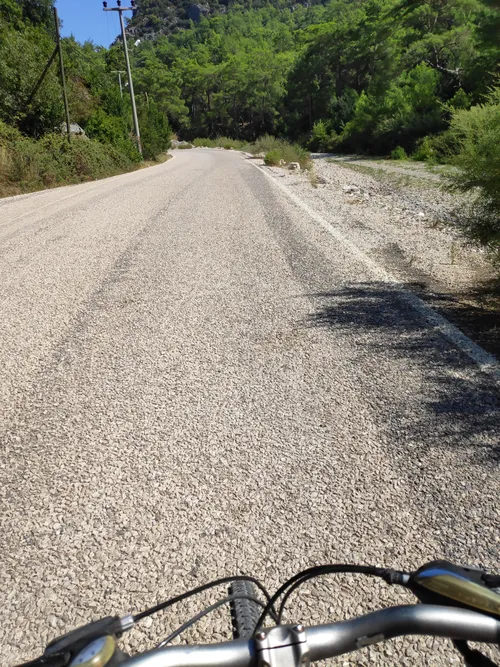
(402, 221)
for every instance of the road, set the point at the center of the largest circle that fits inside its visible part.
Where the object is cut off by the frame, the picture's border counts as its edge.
(197, 379)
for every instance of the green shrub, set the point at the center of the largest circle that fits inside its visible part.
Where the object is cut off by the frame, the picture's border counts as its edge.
(27, 164)
(438, 149)
(322, 139)
(319, 137)
(398, 153)
(228, 144)
(265, 144)
(424, 150)
(111, 130)
(460, 100)
(477, 132)
(273, 158)
(445, 146)
(279, 149)
(203, 143)
(220, 142)
(272, 148)
(155, 130)
(294, 153)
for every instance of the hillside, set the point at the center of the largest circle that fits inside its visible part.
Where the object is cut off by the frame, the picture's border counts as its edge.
(155, 18)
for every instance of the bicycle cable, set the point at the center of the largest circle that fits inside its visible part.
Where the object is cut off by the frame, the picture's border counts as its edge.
(195, 591)
(206, 611)
(389, 576)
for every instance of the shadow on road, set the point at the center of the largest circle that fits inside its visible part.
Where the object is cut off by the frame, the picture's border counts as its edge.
(459, 406)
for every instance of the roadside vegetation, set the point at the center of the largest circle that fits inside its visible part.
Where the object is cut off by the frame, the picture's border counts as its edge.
(477, 135)
(221, 142)
(274, 151)
(28, 164)
(34, 154)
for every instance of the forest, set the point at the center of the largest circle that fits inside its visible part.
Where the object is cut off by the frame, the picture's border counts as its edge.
(382, 77)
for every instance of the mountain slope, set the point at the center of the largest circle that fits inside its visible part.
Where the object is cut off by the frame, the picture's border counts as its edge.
(154, 18)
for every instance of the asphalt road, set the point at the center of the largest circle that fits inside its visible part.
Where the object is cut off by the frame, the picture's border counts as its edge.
(197, 380)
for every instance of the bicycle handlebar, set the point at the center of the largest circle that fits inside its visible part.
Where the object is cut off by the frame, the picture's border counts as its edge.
(328, 641)
(430, 620)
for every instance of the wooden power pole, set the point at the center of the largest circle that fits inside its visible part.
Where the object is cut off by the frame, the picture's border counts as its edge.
(63, 78)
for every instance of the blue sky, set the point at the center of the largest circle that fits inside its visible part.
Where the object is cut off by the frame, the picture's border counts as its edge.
(86, 20)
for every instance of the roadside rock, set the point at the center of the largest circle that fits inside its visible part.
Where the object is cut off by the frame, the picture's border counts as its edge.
(180, 144)
(352, 190)
(294, 166)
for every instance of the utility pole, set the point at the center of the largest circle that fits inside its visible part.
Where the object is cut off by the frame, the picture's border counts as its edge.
(63, 78)
(120, 11)
(119, 72)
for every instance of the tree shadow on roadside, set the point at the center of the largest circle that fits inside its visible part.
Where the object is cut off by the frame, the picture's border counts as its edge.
(459, 404)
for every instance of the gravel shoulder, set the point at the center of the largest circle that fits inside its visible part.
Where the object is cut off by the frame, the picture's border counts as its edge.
(399, 215)
(198, 380)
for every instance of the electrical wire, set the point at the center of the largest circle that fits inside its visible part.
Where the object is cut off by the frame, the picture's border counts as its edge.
(206, 611)
(390, 576)
(293, 588)
(195, 591)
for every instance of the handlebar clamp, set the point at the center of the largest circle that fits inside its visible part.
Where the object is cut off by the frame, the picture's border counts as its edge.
(282, 646)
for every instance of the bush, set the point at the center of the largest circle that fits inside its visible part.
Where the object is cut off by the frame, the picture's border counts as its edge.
(221, 142)
(322, 139)
(477, 132)
(279, 149)
(424, 150)
(319, 137)
(203, 143)
(265, 144)
(398, 153)
(112, 130)
(230, 144)
(437, 149)
(272, 148)
(155, 131)
(295, 153)
(27, 165)
(273, 158)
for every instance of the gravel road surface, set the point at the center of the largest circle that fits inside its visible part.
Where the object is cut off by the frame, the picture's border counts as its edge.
(198, 380)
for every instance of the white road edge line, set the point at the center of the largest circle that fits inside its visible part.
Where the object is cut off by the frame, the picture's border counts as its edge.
(487, 362)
